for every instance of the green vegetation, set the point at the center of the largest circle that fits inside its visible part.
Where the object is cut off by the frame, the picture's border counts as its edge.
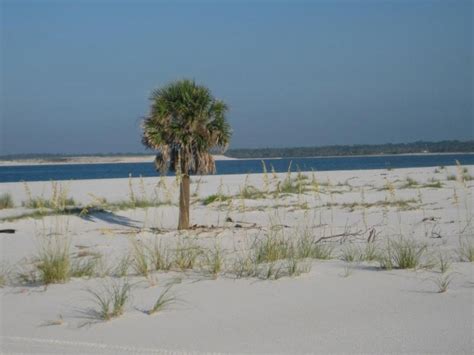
(366, 149)
(402, 254)
(184, 123)
(110, 301)
(164, 300)
(6, 201)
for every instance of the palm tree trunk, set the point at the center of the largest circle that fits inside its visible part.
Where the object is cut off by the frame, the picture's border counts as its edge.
(184, 203)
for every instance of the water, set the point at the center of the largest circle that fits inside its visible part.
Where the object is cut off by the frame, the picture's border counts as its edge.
(122, 170)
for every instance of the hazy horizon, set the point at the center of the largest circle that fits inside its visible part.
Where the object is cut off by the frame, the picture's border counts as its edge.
(76, 75)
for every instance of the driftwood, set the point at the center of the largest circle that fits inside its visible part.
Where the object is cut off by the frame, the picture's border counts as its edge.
(9, 231)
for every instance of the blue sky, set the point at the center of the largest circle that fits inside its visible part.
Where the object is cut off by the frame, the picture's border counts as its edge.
(76, 74)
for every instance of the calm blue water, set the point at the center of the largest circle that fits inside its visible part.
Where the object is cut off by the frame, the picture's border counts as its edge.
(122, 170)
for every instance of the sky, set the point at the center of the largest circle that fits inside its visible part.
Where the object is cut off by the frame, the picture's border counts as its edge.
(76, 75)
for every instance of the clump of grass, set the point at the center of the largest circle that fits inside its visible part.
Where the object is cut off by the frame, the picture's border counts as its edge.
(139, 259)
(160, 257)
(214, 261)
(53, 262)
(295, 267)
(251, 192)
(466, 250)
(350, 253)
(123, 266)
(402, 254)
(164, 300)
(84, 267)
(6, 201)
(272, 248)
(215, 198)
(444, 262)
(110, 301)
(244, 266)
(306, 247)
(402, 204)
(5, 272)
(348, 270)
(186, 254)
(370, 253)
(410, 183)
(58, 202)
(443, 281)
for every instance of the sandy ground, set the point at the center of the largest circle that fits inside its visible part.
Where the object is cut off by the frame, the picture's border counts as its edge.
(334, 307)
(91, 160)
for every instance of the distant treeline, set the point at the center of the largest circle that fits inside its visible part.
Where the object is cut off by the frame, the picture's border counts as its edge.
(330, 150)
(362, 149)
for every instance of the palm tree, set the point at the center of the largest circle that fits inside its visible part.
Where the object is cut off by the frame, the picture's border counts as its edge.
(184, 124)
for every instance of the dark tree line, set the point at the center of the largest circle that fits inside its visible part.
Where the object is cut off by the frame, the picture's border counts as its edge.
(361, 149)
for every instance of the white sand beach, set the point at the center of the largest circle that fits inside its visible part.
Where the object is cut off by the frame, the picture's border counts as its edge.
(234, 286)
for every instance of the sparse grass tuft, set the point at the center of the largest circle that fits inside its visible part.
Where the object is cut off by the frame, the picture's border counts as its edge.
(5, 272)
(6, 201)
(214, 262)
(163, 301)
(443, 262)
(110, 301)
(306, 247)
(186, 255)
(84, 267)
(466, 250)
(350, 253)
(140, 261)
(160, 257)
(251, 192)
(215, 198)
(443, 281)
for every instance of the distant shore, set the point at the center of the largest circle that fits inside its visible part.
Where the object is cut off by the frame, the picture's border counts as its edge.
(90, 160)
(67, 160)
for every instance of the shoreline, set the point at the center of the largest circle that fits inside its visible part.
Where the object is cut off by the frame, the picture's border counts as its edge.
(149, 158)
(90, 160)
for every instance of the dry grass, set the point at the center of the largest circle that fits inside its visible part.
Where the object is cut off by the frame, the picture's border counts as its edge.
(6, 201)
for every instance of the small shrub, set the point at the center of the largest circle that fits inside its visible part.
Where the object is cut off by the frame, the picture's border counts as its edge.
(6, 201)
